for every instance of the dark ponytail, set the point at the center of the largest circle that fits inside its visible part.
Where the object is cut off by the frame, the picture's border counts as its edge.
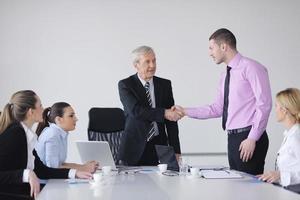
(44, 123)
(49, 115)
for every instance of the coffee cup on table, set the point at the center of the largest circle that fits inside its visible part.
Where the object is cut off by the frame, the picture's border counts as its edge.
(194, 171)
(97, 177)
(162, 167)
(106, 170)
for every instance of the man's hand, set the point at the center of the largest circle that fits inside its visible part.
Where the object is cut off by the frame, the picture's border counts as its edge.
(34, 184)
(180, 110)
(172, 115)
(270, 177)
(246, 149)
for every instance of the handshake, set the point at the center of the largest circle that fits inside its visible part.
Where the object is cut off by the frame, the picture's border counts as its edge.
(174, 113)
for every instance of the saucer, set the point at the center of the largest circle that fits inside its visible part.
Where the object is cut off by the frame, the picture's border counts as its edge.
(93, 183)
(193, 176)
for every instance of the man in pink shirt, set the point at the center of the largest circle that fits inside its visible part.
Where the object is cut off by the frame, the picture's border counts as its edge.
(243, 101)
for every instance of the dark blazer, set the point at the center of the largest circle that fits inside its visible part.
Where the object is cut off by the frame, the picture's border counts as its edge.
(139, 116)
(13, 160)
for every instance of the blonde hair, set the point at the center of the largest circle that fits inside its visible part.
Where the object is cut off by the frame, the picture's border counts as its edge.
(16, 109)
(290, 99)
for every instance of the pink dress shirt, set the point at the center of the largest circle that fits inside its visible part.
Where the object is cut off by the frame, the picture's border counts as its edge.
(250, 99)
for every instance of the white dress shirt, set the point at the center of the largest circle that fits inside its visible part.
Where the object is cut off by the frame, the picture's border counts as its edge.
(152, 95)
(288, 159)
(31, 141)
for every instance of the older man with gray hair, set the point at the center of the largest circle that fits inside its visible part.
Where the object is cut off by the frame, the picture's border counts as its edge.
(147, 102)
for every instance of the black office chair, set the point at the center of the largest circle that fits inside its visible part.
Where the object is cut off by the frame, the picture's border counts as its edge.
(107, 124)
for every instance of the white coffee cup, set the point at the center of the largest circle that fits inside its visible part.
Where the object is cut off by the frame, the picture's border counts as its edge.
(106, 170)
(194, 171)
(162, 167)
(97, 177)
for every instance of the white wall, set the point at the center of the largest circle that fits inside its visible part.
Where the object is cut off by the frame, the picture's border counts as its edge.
(76, 51)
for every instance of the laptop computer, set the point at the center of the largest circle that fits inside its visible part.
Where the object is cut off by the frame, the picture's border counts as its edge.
(96, 150)
(166, 155)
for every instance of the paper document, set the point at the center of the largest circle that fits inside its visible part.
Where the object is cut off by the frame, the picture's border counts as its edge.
(129, 170)
(219, 174)
(210, 167)
(77, 180)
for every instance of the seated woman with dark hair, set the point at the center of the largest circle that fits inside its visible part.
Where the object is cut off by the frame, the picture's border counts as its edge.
(53, 133)
(19, 162)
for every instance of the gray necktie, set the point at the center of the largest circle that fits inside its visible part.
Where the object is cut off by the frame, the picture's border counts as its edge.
(152, 131)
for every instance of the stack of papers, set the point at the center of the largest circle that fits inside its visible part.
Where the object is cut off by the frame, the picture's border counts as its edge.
(77, 180)
(219, 174)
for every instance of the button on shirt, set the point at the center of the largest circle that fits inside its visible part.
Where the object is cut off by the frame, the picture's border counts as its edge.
(250, 100)
(52, 146)
(288, 159)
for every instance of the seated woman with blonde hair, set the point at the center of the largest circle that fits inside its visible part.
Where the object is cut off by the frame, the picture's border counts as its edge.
(53, 133)
(287, 169)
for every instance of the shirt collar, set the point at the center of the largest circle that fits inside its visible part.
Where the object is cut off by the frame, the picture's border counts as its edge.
(234, 63)
(61, 131)
(292, 130)
(144, 82)
(29, 133)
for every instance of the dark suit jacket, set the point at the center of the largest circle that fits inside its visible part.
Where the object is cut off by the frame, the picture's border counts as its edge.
(13, 160)
(139, 116)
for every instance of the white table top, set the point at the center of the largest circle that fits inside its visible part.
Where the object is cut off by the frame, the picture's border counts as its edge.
(156, 186)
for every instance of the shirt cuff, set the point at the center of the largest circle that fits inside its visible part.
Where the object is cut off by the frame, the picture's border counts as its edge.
(190, 112)
(285, 178)
(72, 173)
(254, 134)
(26, 176)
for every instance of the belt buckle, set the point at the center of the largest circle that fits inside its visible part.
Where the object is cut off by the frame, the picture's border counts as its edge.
(239, 130)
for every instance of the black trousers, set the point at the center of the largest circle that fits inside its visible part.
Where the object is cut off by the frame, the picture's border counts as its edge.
(149, 156)
(256, 164)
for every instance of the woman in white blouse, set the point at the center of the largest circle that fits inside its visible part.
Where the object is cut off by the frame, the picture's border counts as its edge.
(53, 133)
(287, 170)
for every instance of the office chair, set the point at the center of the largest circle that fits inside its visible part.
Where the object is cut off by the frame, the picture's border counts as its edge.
(107, 124)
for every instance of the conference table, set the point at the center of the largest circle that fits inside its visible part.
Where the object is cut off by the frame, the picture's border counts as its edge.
(156, 186)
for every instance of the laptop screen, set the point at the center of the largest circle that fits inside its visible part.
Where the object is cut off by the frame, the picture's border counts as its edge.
(96, 150)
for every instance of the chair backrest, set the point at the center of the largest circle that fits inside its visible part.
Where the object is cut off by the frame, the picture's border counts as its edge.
(107, 124)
